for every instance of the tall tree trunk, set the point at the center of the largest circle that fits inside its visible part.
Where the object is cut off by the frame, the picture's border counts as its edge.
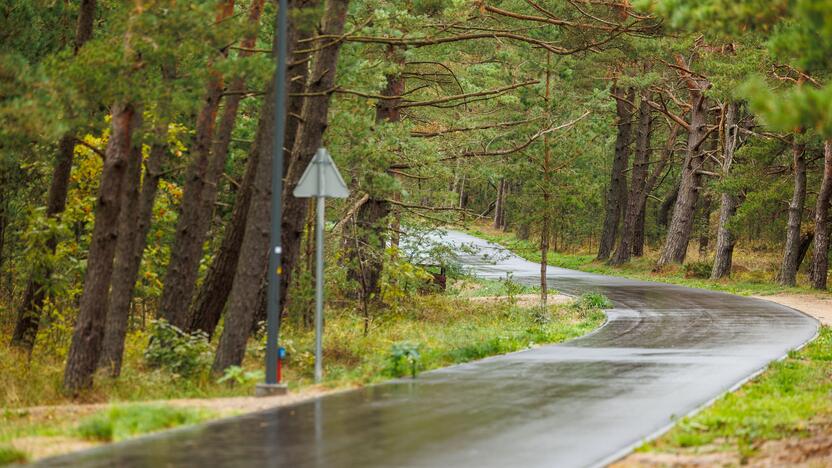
(366, 252)
(310, 136)
(788, 269)
(805, 241)
(666, 208)
(29, 312)
(499, 204)
(3, 222)
(637, 197)
(725, 238)
(366, 249)
(198, 197)
(638, 236)
(134, 226)
(252, 264)
(83, 31)
(820, 257)
(681, 225)
(705, 227)
(547, 156)
(213, 295)
(89, 328)
(251, 267)
(617, 190)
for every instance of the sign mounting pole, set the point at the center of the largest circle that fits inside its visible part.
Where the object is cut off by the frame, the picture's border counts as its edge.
(319, 278)
(321, 179)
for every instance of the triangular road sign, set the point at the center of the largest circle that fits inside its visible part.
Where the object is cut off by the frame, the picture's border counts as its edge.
(321, 179)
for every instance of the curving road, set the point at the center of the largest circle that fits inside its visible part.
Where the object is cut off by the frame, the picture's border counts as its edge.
(665, 351)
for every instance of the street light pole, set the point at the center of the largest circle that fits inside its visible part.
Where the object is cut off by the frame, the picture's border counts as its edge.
(275, 250)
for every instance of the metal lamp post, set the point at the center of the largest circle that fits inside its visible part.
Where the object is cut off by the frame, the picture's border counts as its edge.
(271, 385)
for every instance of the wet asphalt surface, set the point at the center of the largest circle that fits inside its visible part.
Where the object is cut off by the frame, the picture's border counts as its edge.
(665, 351)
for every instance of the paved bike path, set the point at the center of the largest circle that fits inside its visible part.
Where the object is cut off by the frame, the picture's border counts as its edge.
(665, 351)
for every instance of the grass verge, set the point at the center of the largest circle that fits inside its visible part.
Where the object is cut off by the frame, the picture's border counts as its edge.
(791, 400)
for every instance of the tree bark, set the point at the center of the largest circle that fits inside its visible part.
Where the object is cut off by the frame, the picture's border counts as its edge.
(216, 287)
(365, 253)
(820, 256)
(805, 241)
(729, 202)
(705, 227)
(251, 266)
(3, 222)
(499, 204)
(367, 245)
(666, 208)
(637, 198)
(197, 207)
(681, 225)
(638, 236)
(243, 301)
(213, 295)
(617, 190)
(89, 329)
(134, 225)
(29, 312)
(547, 156)
(86, 17)
(788, 268)
(309, 137)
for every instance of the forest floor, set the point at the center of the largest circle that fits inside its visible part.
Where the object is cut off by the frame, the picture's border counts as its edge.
(473, 319)
(783, 417)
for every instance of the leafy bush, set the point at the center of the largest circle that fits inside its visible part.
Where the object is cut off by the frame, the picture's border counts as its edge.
(698, 270)
(121, 422)
(182, 353)
(401, 355)
(401, 279)
(592, 300)
(512, 288)
(9, 455)
(236, 374)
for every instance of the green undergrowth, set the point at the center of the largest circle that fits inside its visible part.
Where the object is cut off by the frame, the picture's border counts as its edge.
(120, 422)
(757, 280)
(424, 332)
(792, 398)
(479, 287)
(444, 329)
(112, 424)
(9, 455)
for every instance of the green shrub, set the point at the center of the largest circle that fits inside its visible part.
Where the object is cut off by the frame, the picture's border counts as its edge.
(9, 455)
(237, 375)
(182, 353)
(121, 422)
(512, 288)
(403, 355)
(592, 300)
(700, 270)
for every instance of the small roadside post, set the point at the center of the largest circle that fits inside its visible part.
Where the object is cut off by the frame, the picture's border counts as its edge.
(320, 180)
